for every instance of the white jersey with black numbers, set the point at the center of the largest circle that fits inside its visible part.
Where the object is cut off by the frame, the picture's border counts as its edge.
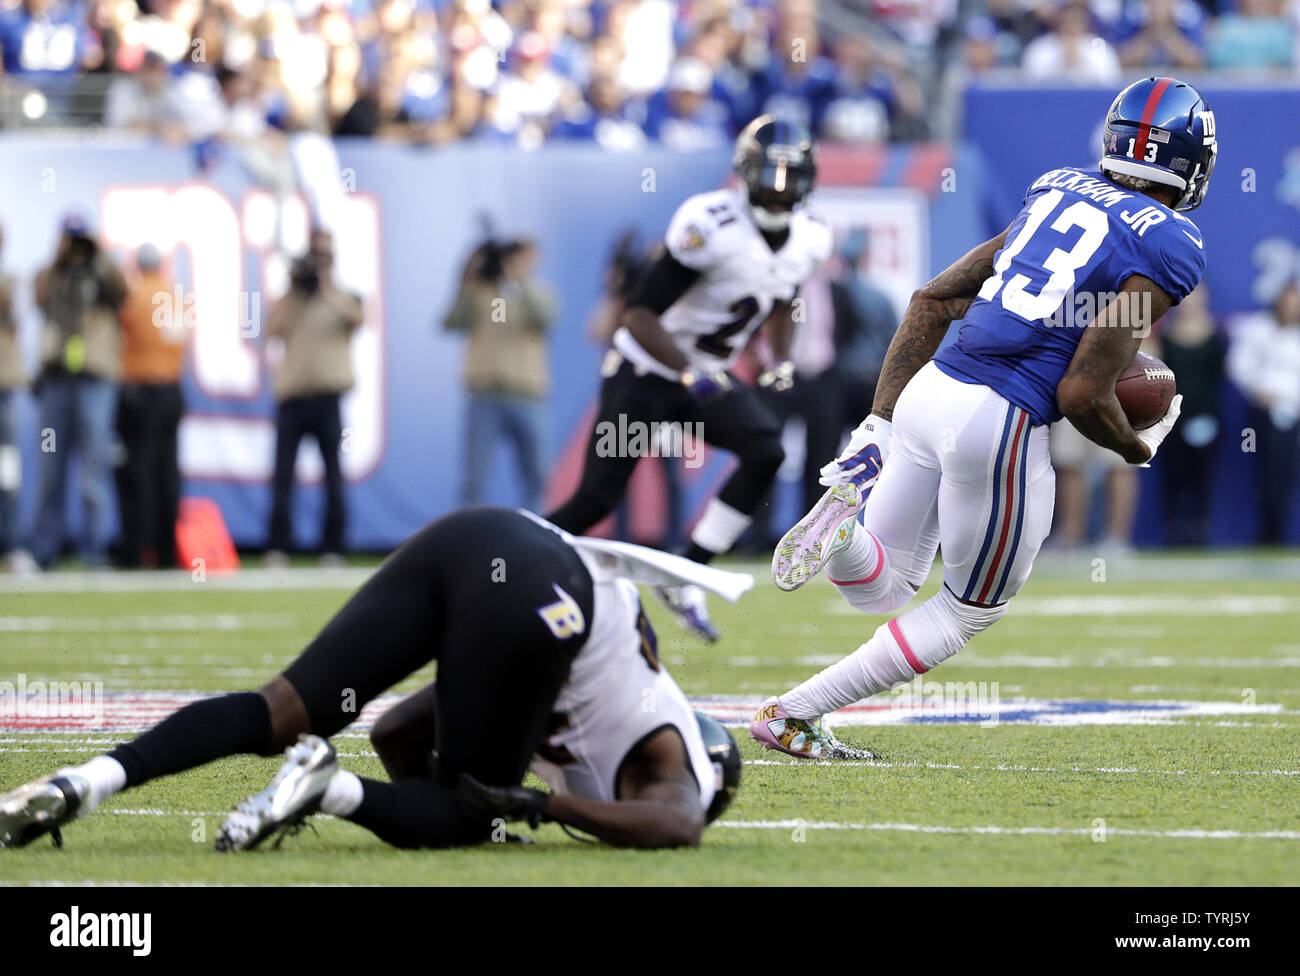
(741, 279)
(617, 694)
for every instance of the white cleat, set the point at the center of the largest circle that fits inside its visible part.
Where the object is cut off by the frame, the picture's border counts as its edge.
(288, 800)
(803, 551)
(42, 807)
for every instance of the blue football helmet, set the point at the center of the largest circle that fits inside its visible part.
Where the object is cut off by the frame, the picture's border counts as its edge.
(1162, 129)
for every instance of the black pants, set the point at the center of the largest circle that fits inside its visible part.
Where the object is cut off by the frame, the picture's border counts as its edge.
(818, 404)
(1276, 476)
(736, 422)
(149, 479)
(856, 397)
(1185, 490)
(318, 416)
(469, 591)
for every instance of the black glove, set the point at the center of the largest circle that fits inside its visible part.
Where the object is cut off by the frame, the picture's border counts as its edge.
(507, 803)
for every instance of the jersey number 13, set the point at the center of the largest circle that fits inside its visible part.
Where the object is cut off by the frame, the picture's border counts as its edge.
(1063, 265)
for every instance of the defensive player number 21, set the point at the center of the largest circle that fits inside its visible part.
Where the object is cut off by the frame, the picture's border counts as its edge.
(716, 343)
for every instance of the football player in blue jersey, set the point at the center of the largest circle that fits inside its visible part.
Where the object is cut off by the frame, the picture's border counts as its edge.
(954, 454)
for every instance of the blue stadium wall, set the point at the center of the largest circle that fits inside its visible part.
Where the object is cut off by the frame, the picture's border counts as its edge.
(574, 202)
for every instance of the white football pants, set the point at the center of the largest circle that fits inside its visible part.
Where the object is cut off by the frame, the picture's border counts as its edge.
(968, 473)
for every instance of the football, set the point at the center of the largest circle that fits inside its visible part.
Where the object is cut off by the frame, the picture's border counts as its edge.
(1145, 390)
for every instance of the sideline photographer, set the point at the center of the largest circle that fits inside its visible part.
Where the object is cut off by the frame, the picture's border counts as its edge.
(76, 389)
(315, 319)
(506, 314)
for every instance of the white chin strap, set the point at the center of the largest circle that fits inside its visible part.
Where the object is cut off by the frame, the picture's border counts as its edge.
(769, 220)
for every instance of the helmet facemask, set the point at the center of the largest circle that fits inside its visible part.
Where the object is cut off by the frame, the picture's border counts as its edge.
(773, 200)
(1198, 184)
(778, 167)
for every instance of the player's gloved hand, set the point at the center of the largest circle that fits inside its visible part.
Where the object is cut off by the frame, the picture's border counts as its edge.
(862, 460)
(706, 386)
(779, 378)
(508, 803)
(1154, 435)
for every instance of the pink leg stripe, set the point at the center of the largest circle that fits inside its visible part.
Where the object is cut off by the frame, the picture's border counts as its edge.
(897, 631)
(880, 564)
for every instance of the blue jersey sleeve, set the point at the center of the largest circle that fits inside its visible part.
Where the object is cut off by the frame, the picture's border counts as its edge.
(1175, 255)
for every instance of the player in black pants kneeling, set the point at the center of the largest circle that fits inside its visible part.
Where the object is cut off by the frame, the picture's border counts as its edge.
(544, 658)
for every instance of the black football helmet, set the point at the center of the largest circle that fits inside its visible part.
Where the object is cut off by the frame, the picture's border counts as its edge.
(726, 763)
(777, 162)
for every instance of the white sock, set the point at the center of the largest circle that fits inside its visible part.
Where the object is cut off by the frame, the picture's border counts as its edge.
(343, 794)
(908, 645)
(874, 667)
(862, 574)
(859, 562)
(719, 527)
(106, 777)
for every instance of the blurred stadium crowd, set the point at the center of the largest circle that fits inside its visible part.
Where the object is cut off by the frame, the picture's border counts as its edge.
(684, 73)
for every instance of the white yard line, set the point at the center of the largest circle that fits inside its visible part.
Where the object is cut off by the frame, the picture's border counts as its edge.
(1120, 658)
(206, 622)
(178, 581)
(1182, 834)
(1147, 605)
(1104, 658)
(155, 884)
(1188, 834)
(133, 884)
(1106, 770)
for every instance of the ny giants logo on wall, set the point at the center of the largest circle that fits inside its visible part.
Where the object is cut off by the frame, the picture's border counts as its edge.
(223, 255)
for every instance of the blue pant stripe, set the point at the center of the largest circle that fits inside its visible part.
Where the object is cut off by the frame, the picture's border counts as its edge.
(993, 516)
(1020, 514)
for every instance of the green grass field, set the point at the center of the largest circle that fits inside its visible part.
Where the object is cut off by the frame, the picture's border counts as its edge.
(1202, 788)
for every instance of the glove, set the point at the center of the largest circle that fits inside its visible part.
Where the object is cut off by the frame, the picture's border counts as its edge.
(509, 803)
(706, 386)
(862, 460)
(779, 378)
(1154, 435)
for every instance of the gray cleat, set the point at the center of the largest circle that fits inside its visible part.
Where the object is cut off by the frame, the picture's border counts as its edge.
(287, 801)
(40, 808)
